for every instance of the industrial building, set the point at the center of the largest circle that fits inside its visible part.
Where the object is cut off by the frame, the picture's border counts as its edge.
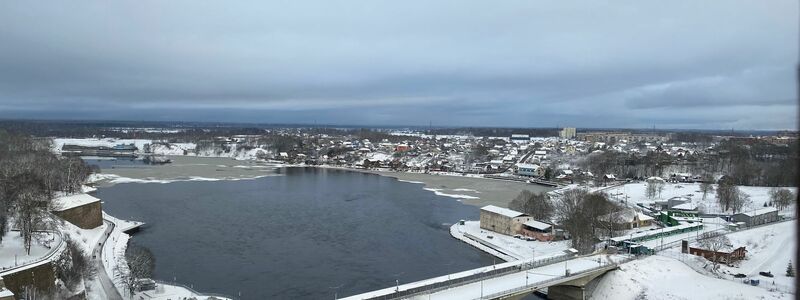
(757, 217)
(502, 220)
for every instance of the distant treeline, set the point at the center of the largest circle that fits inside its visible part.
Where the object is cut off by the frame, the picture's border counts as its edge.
(208, 130)
(756, 163)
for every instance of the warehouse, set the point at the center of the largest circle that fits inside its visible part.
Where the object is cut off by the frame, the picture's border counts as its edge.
(757, 217)
(502, 220)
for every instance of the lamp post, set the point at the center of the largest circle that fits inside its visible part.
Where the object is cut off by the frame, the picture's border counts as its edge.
(397, 281)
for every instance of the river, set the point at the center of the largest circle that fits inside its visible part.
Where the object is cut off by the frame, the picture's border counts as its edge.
(305, 234)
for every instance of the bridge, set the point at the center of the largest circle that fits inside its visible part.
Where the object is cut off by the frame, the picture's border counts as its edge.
(564, 277)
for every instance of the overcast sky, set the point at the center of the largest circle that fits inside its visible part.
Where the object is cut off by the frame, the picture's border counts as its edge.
(670, 64)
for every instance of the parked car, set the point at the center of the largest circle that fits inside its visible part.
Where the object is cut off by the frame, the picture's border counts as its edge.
(518, 236)
(739, 275)
(766, 274)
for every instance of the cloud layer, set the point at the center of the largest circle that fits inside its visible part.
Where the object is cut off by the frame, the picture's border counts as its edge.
(676, 64)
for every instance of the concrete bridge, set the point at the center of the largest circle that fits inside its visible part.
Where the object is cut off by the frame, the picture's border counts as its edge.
(563, 277)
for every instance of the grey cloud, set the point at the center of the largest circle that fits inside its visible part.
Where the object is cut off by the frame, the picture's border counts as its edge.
(516, 63)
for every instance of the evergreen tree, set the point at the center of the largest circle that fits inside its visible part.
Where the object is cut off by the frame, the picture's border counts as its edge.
(790, 270)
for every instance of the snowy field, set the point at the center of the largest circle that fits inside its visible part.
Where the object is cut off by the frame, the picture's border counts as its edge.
(635, 193)
(513, 247)
(658, 277)
(769, 249)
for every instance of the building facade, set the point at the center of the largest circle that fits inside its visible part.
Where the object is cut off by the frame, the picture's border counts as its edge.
(502, 220)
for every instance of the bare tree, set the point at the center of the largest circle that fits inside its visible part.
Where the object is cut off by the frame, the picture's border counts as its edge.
(707, 185)
(781, 197)
(73, 265)
(31, 207)
(739, 200)
(713, 241)
(654, 187)
(726, 193)
(140, 266)
(579, 212)
(536, 205)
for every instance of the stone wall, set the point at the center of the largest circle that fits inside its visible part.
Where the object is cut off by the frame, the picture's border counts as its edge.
(86, 216)
(41, 276)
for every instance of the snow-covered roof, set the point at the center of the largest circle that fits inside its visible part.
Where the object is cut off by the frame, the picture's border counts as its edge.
(72, 201)
(685, 206)
(527, 166)
(759, 212)
(538, 225)
(6, 293)
(502, 211)
(643, 217)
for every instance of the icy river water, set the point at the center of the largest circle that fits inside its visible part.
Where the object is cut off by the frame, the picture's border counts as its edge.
(306, 234)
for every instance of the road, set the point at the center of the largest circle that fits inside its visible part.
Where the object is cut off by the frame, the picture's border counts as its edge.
(111, 292)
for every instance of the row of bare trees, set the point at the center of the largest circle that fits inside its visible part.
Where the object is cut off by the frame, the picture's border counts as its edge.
(30, 175)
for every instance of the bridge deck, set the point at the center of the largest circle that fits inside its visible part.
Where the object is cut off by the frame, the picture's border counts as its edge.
(539, 277)
(499, 284)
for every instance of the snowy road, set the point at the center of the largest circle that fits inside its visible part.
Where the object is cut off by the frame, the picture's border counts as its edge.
(109, 290)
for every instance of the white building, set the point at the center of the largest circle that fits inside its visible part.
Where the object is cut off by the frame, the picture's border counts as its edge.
(567, 133)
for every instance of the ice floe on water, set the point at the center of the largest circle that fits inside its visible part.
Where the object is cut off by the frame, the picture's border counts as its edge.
(457, 196)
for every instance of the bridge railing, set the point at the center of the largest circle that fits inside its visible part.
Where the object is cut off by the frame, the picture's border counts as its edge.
(56, 250)
(478, 276)
(544, 283)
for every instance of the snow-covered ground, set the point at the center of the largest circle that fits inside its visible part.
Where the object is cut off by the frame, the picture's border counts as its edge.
(12, 249)
(635, 193)
(58, 143)
(659, 277)
(162, 148)
(769, 249)
(512, 248)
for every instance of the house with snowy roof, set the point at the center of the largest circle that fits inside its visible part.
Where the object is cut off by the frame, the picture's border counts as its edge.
(627, 219)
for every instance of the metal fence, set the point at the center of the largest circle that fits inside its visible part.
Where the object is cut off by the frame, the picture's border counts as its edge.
(52, 252)
(476, 277)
